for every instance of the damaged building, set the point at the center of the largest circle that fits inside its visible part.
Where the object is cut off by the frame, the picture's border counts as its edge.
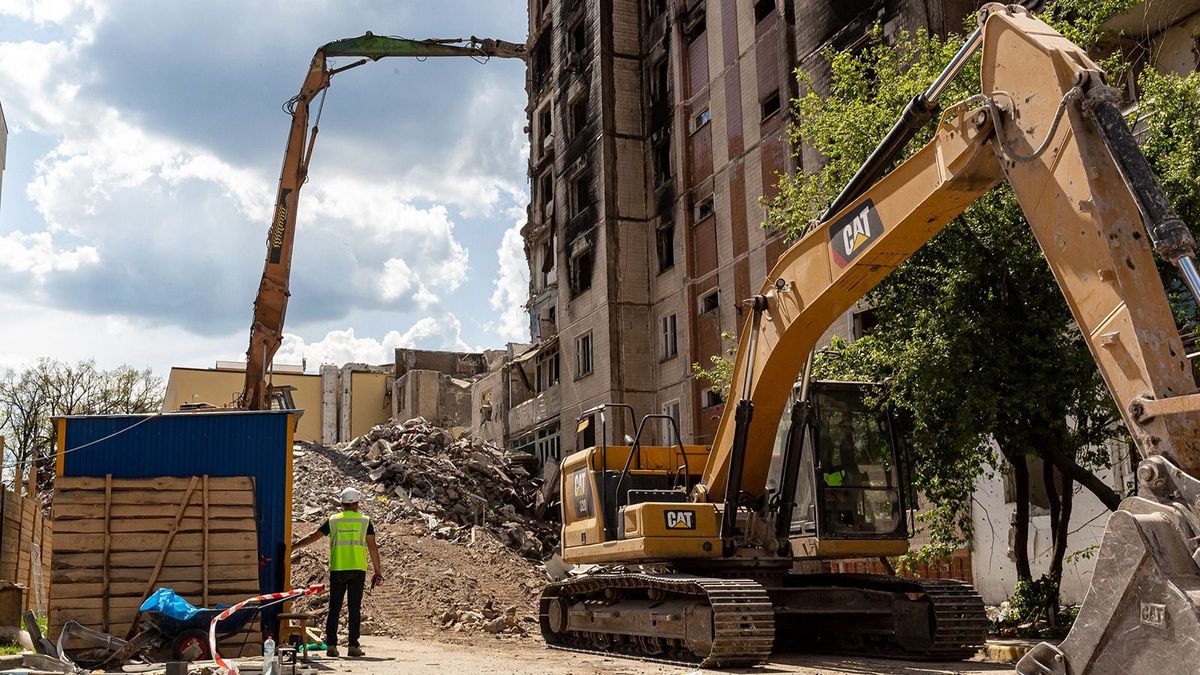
(656, 129)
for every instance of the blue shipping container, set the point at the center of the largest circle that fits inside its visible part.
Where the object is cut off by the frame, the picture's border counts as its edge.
(233, 443)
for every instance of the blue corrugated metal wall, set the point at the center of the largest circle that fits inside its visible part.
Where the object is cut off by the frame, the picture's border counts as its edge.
(194, 444)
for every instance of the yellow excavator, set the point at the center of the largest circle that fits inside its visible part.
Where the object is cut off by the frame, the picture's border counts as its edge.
(270, 305)
(698, 560)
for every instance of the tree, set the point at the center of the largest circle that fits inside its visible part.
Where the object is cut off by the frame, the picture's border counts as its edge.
(31, 398)
(974, 336)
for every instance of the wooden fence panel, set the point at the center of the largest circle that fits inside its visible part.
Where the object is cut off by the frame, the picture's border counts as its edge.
(25, 549)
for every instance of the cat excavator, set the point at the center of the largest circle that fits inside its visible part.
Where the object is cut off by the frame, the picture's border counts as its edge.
(270, 305)
(703, 555)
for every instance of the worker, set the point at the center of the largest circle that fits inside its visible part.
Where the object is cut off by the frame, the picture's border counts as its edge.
(351, 537)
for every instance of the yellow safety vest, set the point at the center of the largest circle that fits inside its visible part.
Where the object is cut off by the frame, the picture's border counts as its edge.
(348, 541)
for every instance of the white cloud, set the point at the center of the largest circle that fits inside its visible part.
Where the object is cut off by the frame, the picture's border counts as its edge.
(36, 254)
(340, 347)
(511, 288)
(46, 11)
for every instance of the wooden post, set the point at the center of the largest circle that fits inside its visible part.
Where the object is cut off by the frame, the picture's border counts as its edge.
(107, 547)
(204, 517)
(162, 554)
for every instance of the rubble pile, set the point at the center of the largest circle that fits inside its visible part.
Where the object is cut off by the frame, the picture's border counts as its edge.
(419, 472)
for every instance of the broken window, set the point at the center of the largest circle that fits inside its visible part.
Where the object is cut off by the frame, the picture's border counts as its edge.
(578, 116)
(540, 62)
(547, 370)
(549, 445)
(693, 21)
(583, 355)
(711, 398)
(656, 8)
(863, 323)
(710, 302)
(545, 130)
(770, 105)
(665, 243)
(662, 161)
(704, 209)
(581, 273)
(668, 342)
(577, 39)
(546, 196)
(549, 267)
(763, 9)
(579, 195)
(700, 119)
(659, 80)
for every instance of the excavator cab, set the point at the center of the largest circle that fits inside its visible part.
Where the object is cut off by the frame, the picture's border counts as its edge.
(851, 484)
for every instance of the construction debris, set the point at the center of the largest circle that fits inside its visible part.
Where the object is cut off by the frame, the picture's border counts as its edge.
(457, 525)
(421, 473)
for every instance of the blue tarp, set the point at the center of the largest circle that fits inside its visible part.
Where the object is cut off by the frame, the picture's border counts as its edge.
(167, 603)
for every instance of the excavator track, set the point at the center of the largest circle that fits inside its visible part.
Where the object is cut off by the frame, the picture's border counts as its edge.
(927, 619)
(734, 615)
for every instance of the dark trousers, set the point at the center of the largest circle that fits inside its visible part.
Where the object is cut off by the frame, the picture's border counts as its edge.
(340, 584)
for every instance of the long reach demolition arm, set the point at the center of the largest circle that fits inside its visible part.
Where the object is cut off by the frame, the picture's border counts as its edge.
(270, 305)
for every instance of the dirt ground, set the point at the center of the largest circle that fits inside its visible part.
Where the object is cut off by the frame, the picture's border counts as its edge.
(489, 654)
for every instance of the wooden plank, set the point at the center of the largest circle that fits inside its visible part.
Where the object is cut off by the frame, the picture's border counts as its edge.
(92, 558)
(107, 545)
(235, 572)
(86, 511)
(133, 589)
(168, 540)
(164, 483)
(132, 542)
(161, 525)
(204, 565)
(166, 500)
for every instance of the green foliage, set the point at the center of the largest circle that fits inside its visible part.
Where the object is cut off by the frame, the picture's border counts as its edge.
(974, 336)
(720, 372)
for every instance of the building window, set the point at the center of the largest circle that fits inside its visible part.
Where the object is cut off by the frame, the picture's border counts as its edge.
(863, 323)
(669, 435)
(710, 302)
(656, 8)
(668, 339)
(581, 266)
(704, 209)
(770, 105)
(579, 195)
(583, 355)
(545, 124)
(659, 80)
(711, 398)
(548, 446)
(546, 196)
(700, 119)
(665, 243)
(763, 9)
(549, 274)
(547, 370)
(578, 116)
(662, 161)
(577, 40)
(693, 22)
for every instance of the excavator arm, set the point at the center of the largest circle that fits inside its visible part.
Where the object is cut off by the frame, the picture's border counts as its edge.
(270, 305)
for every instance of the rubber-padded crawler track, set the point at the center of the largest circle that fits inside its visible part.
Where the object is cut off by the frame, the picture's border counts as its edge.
(960, 622)
(743, 618)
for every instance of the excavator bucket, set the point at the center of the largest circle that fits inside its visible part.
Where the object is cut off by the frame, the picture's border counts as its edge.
(1142, 611)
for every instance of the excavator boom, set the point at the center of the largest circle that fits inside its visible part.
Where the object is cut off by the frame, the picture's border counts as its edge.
(270, 304)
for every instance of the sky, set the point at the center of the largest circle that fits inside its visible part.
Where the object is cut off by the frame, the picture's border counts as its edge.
(145, 140)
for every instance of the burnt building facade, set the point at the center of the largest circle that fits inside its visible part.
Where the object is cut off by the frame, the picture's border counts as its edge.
(657, 128)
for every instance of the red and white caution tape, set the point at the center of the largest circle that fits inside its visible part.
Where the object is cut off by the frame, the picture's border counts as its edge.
(266, 601)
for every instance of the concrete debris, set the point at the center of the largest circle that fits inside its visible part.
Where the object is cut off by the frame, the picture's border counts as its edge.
(421, 473)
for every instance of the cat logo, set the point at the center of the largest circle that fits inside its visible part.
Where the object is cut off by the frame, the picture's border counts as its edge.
(850, 235)
(681, 520)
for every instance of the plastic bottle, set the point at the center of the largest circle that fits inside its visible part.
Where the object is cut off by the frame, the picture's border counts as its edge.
(270, 663)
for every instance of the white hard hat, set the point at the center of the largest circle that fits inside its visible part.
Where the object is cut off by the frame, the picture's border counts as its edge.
(350, 496)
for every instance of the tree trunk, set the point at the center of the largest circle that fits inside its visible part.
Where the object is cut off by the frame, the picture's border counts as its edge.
(1068, 466)
(1020, 469)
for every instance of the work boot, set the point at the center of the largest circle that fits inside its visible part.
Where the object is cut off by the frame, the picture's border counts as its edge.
(355, 650)
(331, 651)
